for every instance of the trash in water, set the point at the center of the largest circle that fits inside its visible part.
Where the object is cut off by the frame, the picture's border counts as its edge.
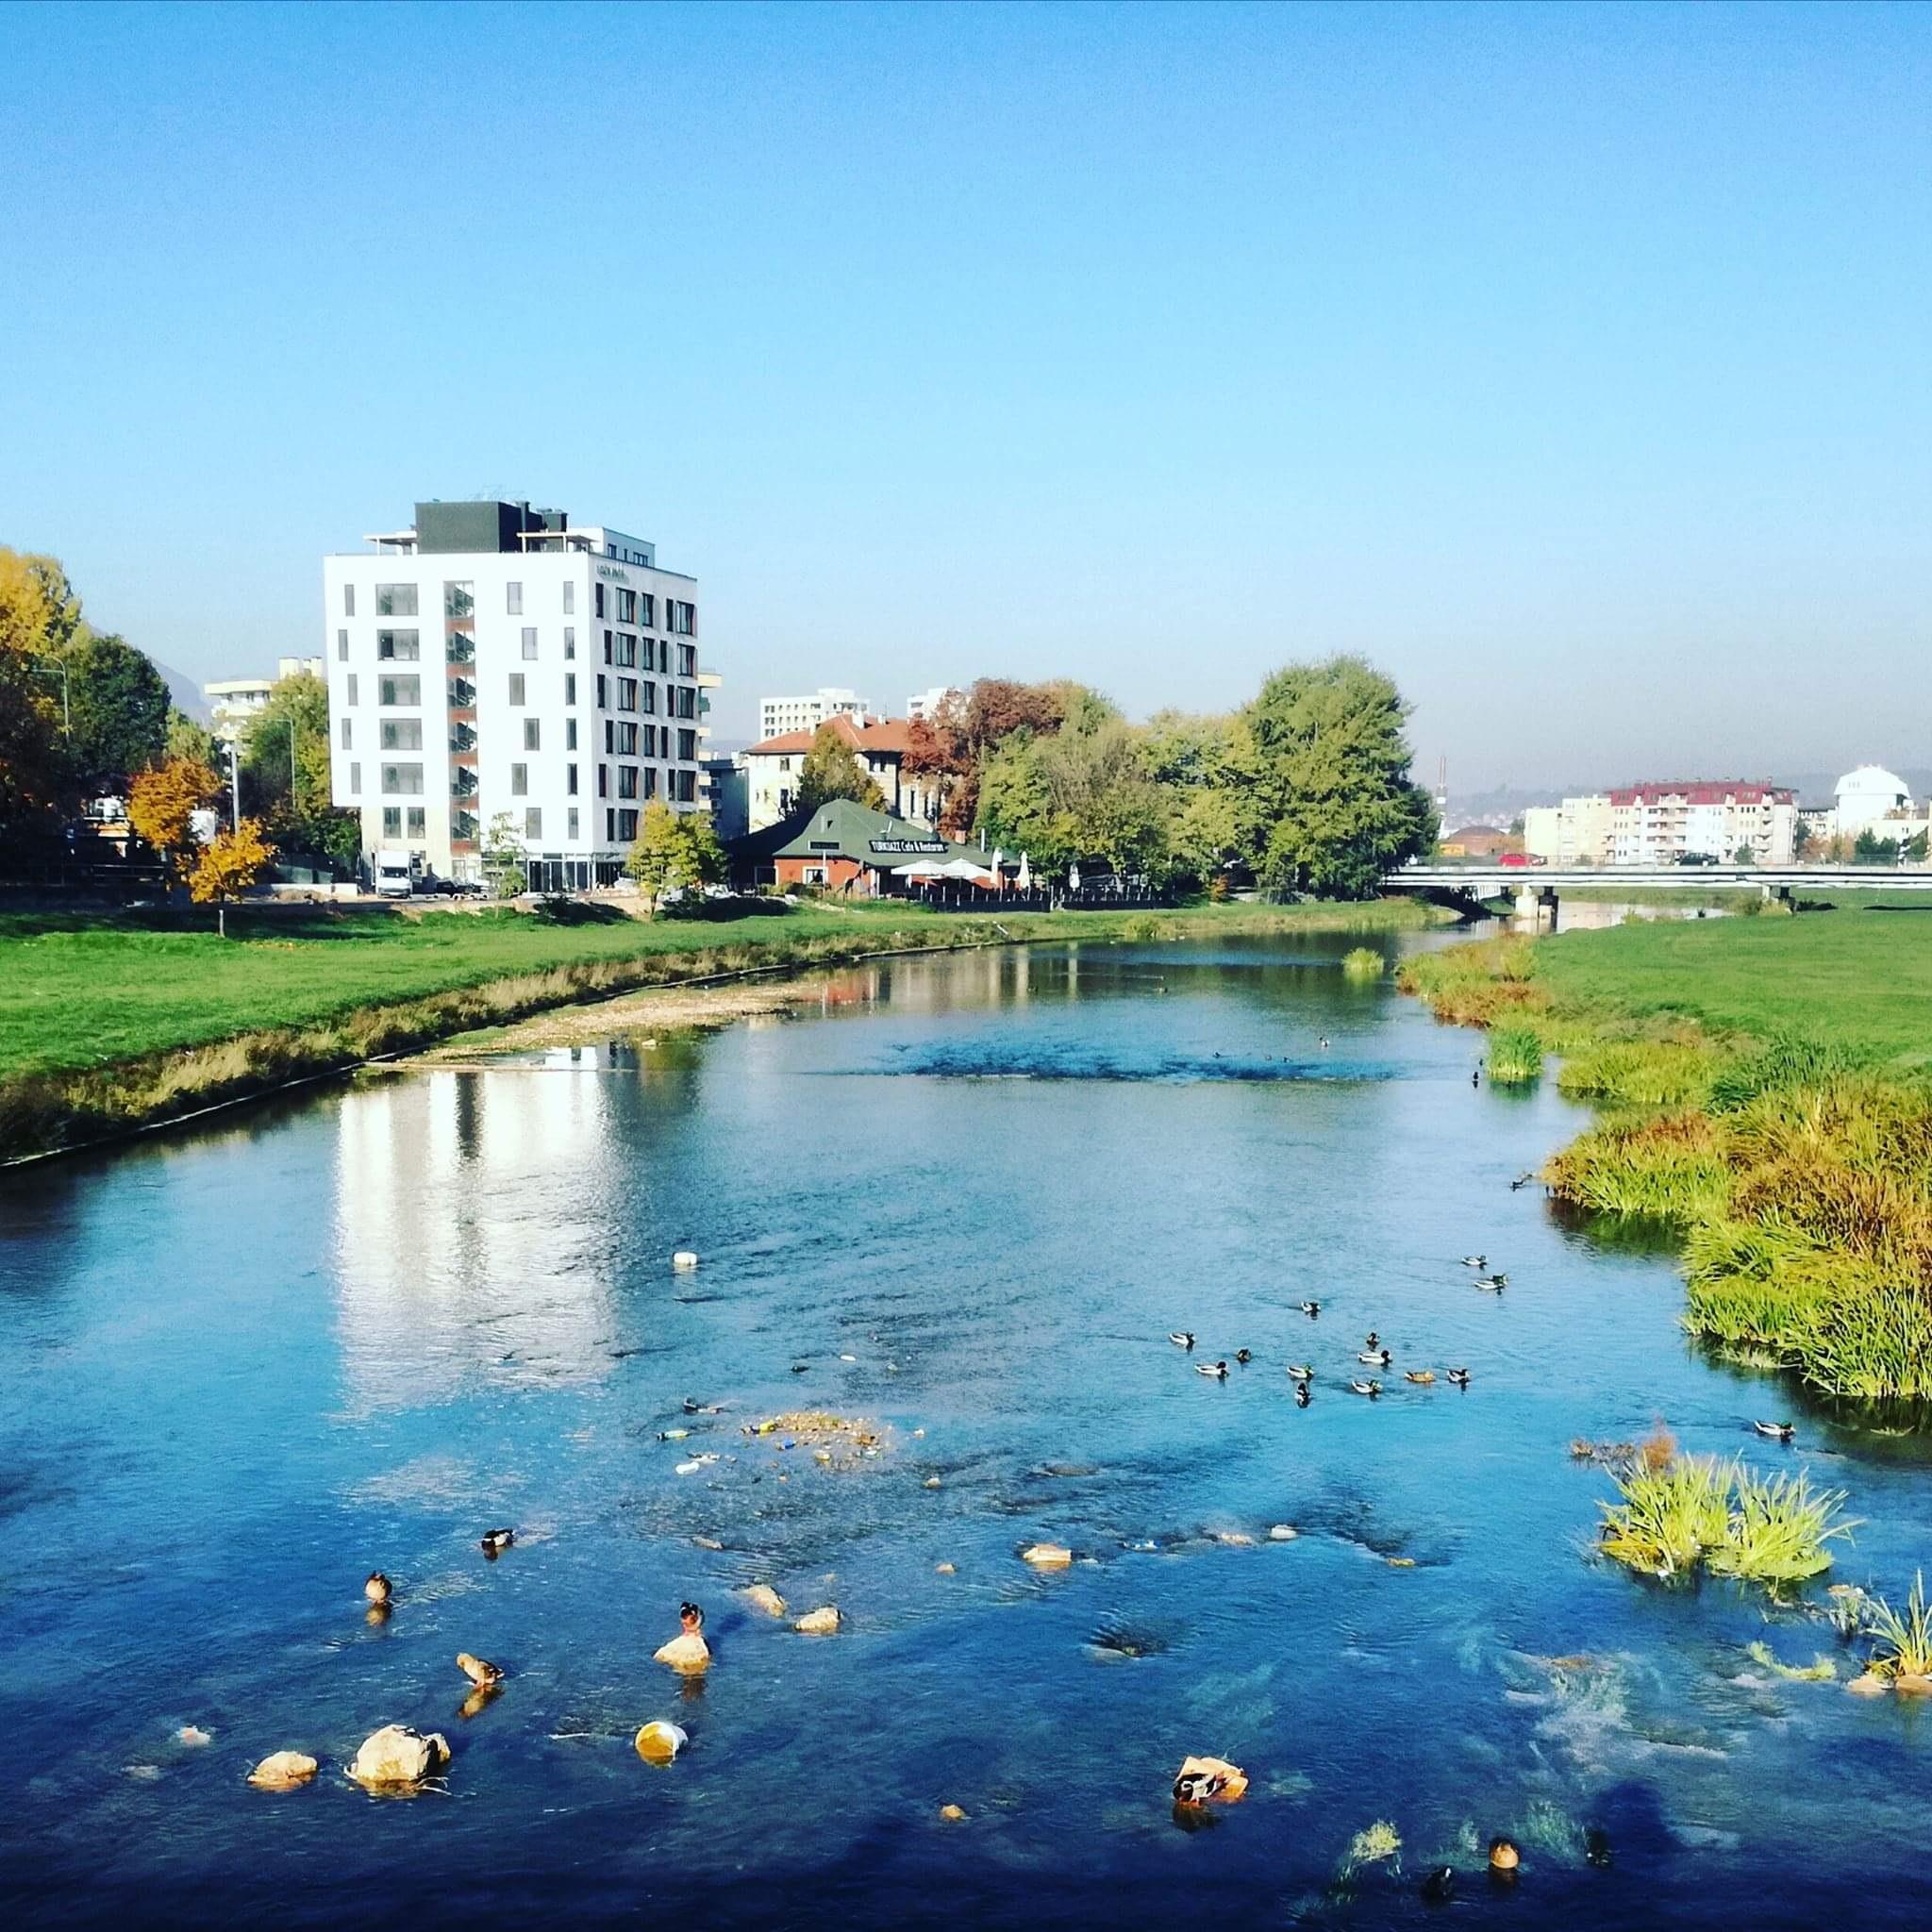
(1201, 1780)
(660, 1741)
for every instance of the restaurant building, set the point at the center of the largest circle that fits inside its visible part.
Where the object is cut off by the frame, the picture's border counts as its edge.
(848, 848)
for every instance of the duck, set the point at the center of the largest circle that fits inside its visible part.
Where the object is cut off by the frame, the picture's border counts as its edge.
(1780, 1432)
(1373, 1338)
(1244, 1355)
(1523, 1180)
(1476, 1076)
(1422, 1378)
(1368, 1388)
(1311, 1310)
(1375, 1358)
(480, 1671)
(1324, 1043)
(1302, 1372)
(377, 1590)
(494, 1541)
(1458, 1376)
(1302, 1396)
(1218, 1370)
(1475, 1260)
(1495, 1284)
(1180, 1337)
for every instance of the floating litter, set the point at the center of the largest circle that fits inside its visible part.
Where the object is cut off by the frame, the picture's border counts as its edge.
(660, 1741)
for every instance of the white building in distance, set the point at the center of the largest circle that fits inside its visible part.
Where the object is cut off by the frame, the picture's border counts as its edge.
(1578, 832)
(1864, 797)
(1658, 823)
(233, 701)
(778, 716)
(924, 704)
(494, 660)
(773, 768)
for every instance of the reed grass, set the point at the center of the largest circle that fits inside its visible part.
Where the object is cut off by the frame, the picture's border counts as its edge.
(1363, 963)
(1515, 1057)
(1901, 1644)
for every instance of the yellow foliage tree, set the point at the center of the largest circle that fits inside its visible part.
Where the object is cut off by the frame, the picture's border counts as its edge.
(161, 804)
(39, 617)
(230, 862)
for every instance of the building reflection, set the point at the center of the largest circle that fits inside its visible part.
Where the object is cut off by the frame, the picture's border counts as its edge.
(473, 1235)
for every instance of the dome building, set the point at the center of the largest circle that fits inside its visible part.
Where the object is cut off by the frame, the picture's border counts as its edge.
(1866, 795)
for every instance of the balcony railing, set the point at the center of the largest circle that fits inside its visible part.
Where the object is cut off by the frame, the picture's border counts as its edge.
(463, 783)
(462, 695)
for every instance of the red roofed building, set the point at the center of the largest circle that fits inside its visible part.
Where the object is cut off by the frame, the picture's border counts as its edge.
(880, 744)
(1656, 823)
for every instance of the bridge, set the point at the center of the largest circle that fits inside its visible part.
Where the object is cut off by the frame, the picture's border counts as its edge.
(1538, 888)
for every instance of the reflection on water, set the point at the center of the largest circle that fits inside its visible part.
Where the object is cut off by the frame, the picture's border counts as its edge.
(966, 1198)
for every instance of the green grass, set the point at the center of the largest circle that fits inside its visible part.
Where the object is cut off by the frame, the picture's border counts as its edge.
(1902, 1644)
(1515, 1057)
(1363, 963)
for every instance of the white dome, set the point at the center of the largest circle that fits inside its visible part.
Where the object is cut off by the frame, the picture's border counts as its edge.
(1873, 781)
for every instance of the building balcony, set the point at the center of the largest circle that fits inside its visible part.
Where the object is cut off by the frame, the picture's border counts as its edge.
(462, 695)
(462, 737)
(463, 783)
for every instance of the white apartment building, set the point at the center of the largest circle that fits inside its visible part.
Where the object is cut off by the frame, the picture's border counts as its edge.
(778, 716)
(494, 660)
(1655, 824)
(924, 704)
(233, 701)
(1578, 832)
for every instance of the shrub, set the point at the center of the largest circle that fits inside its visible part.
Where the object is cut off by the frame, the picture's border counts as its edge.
(1515, 1056)
(1903, 1644)
(1363, 963)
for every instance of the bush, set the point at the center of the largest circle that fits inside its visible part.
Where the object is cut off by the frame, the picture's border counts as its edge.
(1363, 963)
(1516, 1056)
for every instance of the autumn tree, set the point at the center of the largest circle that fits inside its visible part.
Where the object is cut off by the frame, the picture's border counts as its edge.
(228, 864)
(831, 770)
(161, 804)
(40, 616)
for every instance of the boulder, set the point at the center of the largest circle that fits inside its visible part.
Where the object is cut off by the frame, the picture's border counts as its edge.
(396, 1755)
(1868, 1684)
(762, 1596)
(282, 1770)
(952, 1814)
(1047, 1556)
(821, 1622)
(687, 1652)
(684, 1259)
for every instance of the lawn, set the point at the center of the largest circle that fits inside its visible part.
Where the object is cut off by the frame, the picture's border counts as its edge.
(1856, 977)
(89, 990)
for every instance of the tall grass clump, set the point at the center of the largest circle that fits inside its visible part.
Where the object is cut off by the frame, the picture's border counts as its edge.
(1515, 1056)
(1787, 1059)
(1901, 1644)
(1640, 1072)
(1702, 1511)
(1363, 963)
(1671, 1168)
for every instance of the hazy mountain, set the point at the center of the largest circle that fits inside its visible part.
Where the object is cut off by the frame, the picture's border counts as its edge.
(185, 693)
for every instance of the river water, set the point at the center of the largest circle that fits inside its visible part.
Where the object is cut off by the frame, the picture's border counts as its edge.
(965, 1198)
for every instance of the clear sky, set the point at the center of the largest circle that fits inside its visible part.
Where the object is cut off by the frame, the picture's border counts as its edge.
(1571, 363)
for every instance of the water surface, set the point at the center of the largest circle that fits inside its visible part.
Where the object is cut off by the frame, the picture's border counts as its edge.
(966, 1198)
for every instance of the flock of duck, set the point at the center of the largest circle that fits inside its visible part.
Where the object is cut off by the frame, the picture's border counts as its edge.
(1374, 1353)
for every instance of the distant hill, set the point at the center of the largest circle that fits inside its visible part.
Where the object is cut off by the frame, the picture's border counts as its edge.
(185, 693)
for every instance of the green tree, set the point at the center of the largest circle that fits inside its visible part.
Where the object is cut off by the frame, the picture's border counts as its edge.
(704, 858)
(1017, 809)
(503, 856)
(1870, 849)
(118, 713)
(286, 774)
(40, 616)
(661, 855)
(187, 740)
(1331, 806)
(831, 770)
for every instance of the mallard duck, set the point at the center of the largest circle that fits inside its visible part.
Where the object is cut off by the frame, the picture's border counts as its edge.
(1302, 1372)
(1780, 1432)
(1476, 1076)
(495, 1542)
(1373, 1338)
(1311, 1310)
(1458, 1376)
(1180, 1337)
(1368, 1388)
(1302, 1396)
(1523, 1180)
(1244, 1355)
(1324, 1043)
(1218, 1370)
(1421, 1378)
(377, 1589)
(1375, 1358)
(1475, 1260)
(1495, 1284)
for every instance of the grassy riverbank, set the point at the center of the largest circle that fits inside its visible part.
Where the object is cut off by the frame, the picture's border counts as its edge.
(1767, 1087)
(112, 1021)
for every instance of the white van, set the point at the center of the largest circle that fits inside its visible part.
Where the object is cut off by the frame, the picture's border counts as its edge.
(397, 872)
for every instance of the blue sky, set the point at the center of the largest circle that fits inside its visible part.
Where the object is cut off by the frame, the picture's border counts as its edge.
(1570, 362)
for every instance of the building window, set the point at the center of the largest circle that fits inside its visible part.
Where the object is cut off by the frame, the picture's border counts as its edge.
(570, 687)
(402, 733)
(650, 696)
(570, 643)
(405, 780)
(603, 693)
(626, 827)
(611, 824)
(684, 787)
(533, 734)
(570, 780)
(513, 599)
(349, 740)
(569, 597)
(687, 744)
(647, 611)
(392, 822)
(628, 693)
(348, 600)
(396, 600)
(516, 687)
(627, 607)
(598, 592)
(627, 650)
(397, 646)
(681, 620)
(607, 647)
(354, 781)
(626, 741)
(518, 781)
(342, 647)
(569, 729)
(603, 781)
(416, 818)
(459, 599)
(529, 643)
(533, 822)
(352, 686)
(687, 661)
(399, 691)
(650, 781)
(570, 823)
(626, 781)
(687, 701)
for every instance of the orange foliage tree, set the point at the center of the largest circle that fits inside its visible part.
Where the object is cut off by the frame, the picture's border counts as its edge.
(230, 862)
(161, 804)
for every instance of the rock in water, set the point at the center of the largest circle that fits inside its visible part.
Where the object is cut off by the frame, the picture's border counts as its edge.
(952, 1814)
(1047, 1556)
(687, 1652)
(396, 1755)
(823, 1623)
(1283, 1533)
(660, 1741)
(480, 1672)
(282, 1770)
(763, 1597)
(684, 1259)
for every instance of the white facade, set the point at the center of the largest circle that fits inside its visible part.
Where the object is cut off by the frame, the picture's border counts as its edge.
(556, 683)
(233, 701)
(924, 704)
(1656, 825)
(778, 716)
(1866, 795)
(1578, 832)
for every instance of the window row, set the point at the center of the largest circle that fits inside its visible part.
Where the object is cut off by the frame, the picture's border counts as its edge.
(459, 599)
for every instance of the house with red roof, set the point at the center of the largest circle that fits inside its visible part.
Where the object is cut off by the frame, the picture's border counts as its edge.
(771, 770)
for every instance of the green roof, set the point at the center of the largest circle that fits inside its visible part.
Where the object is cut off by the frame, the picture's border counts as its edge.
(842, 828)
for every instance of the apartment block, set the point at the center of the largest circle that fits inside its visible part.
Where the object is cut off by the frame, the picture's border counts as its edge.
(1578, 832)
(778, 716)
(494, 662)
(1658, 823)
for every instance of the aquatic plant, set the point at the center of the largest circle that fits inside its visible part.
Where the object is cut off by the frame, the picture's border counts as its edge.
(1363, 963)
(1902, 1644)
(1789, 1059)
(1669, 1168)
(1778, 1529)
(1373, 1843)
(1515, 1056)
(1640, 1072)
(1669, 1517)
(1845, 1610)
(1820, 1669)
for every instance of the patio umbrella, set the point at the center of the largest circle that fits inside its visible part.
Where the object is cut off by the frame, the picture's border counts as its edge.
(1073, 878)
(919, 869)
(1024, 881)
(964, 869)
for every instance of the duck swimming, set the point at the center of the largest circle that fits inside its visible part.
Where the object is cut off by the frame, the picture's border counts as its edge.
(1458, 1376)
(1494, 1283)
(1780, 1432)
(494, 1541)
(1311, 1310)
(1218, 1370)
(1302, 1372)
(1368, 1388)
(1244, 1355)
(1475, 1260)
(1421, 1378)
(1302, 1396)
(1180, 1337)
(1373, 1338)
(1523, 1180)
(1375, 1358)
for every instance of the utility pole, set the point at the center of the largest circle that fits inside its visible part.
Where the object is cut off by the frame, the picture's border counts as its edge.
(234, 789)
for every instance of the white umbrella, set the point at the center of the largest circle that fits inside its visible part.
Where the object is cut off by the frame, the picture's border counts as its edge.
(1073, 878)
(919, 869)
(1024, 881)
(964, 869)
(999, 858)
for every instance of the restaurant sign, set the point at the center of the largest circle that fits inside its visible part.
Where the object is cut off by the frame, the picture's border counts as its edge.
(905, 845)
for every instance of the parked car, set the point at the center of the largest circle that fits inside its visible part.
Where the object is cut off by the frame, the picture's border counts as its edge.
(1697, 858)
(1519, 859)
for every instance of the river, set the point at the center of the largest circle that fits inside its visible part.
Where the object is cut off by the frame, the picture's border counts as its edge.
(965, 1198)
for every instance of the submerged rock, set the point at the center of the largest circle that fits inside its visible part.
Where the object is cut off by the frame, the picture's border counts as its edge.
(762, 1596)
(1868, 1684)
(952, 1814)
(396, 1755)
(820, 1623)
(1047, 1556)
(282, 1770)
(687, 1652)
